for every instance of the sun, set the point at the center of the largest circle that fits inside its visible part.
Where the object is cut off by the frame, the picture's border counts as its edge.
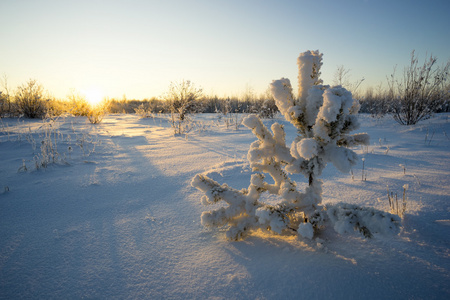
(93, 95)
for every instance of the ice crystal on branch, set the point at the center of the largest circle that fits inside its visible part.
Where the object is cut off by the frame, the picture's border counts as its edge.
(324, 117)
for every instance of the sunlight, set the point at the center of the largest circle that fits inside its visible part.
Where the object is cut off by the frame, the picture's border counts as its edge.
(93, 95)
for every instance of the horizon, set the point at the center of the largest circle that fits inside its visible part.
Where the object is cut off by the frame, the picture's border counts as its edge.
(137, 48)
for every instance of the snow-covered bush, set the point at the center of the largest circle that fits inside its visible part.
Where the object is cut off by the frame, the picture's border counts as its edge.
(324, 117)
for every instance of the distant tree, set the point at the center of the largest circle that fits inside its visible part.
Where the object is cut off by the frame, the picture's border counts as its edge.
(420, 92)
(30, 99)
(341, 76)
(375, 102)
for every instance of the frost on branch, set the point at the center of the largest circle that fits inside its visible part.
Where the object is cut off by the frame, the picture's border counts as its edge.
(324, 117)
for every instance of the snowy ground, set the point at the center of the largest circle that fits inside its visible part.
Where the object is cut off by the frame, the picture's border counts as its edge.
(120, 219)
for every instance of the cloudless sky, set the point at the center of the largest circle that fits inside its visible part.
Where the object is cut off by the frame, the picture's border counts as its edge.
(136, 47)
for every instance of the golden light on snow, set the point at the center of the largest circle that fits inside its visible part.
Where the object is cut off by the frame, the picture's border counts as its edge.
(93, 95)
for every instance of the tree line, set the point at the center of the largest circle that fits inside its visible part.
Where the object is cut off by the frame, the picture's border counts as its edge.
(421, 90)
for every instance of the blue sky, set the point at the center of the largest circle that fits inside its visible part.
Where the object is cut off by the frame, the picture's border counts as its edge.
(136, 48)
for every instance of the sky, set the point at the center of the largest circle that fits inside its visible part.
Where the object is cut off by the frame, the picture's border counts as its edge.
(137, 48)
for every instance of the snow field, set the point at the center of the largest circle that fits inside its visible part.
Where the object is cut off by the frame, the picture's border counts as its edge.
(123, 222)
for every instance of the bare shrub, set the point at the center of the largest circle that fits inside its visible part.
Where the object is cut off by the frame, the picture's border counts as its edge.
(96, 113)
(143, 111)
(148, 109)
(79, 106)
(7, 107)
(182, 99)
(49, 148)
(420, 92)
(228, 114)
(3, 104)
(95, 116)
(30, 100)
(57, 107)
(342, 78)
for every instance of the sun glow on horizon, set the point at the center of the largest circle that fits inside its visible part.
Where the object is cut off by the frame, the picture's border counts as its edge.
(93, 95)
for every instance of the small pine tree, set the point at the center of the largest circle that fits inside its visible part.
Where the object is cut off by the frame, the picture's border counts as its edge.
(324, 116)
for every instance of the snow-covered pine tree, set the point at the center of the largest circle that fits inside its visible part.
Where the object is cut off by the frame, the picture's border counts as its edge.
(324, 116)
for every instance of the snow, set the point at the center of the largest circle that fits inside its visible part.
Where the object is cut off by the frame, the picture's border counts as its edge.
(335, 99)
(309, 64)
(281, 89)
(119, 218)
(306, 230)
(307, 148)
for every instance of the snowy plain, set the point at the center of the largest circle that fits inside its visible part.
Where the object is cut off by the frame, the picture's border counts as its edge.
(117, 218)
